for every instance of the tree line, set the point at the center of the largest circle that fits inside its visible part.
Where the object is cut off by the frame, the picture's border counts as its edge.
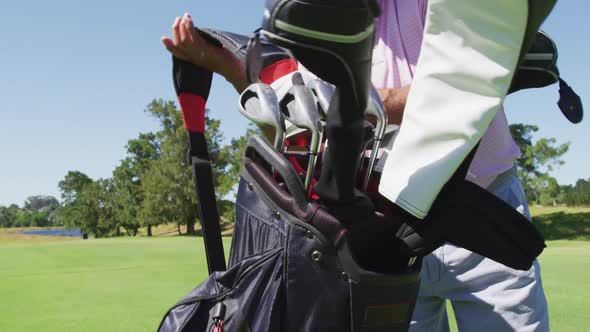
(535, 166)
(153, 184)
(37, 211)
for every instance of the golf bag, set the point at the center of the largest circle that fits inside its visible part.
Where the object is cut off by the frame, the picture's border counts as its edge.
(290, 265)
(290, 268)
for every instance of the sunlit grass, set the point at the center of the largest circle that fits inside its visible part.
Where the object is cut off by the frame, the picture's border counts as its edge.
(128, 283)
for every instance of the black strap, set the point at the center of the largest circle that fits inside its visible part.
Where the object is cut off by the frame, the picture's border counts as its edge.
(205, 191)
(192, 80)
(196, 81)
(570, 103)
(193, 83)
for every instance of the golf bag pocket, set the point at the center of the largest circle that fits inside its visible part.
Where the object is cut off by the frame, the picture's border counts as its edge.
(315, 296)
(239, 299)
(257, 229)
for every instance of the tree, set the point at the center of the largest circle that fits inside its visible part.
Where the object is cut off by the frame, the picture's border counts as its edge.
(126, 184)
(40, 202)
(547, 189)
(166, 199)
(89, 210)
(8, 215)
(168, 186)
(72, 186)
(153, 184)
(23, 219)
(124, 198)
(106, 197)
(40, 218)
(576, 195)
(537, 161)
(38, 211)
(80, 199)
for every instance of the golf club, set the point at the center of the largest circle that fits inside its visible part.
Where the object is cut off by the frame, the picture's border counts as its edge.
(323, 92)
(376, 109)
(260, 105)
(299, 106)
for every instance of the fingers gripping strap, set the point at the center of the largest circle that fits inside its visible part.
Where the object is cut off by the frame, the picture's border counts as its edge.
(193, 83)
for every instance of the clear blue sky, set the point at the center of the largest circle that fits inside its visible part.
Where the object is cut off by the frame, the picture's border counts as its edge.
(75, 77)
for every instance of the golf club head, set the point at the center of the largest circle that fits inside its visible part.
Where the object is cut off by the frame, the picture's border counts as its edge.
(260, 105)
(323, 92)
(299, 106)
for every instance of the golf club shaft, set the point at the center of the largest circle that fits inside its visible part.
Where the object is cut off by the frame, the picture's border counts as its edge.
(371, 166)
(310, 167)
(279, 140)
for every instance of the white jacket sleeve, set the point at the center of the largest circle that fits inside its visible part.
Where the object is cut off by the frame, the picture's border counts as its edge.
(468, 57)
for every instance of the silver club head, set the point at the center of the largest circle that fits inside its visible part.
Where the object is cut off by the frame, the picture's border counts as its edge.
(323, 92)
(260, 105)
(376, 109)
(299, 106)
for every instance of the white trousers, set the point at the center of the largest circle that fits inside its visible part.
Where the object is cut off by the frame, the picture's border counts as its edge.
(485, 295)
(468, 57)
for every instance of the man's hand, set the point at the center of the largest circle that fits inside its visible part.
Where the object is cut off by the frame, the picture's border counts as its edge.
(394, 100)
(187, 44)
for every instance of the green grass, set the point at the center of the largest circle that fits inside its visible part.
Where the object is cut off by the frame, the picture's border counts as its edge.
(560, 223)
(127, 284)
(123, 284)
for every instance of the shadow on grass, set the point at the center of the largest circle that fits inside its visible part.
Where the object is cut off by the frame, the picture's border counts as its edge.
(564, 226)
(227, 228)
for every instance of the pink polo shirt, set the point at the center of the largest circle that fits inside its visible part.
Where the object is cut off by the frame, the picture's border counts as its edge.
(398, 39)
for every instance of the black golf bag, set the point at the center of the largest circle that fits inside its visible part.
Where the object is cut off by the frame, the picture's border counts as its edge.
(290, 265)
(290, 268)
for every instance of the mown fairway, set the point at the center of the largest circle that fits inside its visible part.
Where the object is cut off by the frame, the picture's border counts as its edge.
(127, 284)
(96, 285)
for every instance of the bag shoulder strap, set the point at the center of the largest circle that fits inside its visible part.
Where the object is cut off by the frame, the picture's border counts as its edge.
(193, 84)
